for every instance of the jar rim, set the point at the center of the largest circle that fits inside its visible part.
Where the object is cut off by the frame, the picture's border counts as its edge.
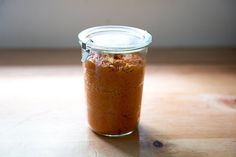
(114, 39)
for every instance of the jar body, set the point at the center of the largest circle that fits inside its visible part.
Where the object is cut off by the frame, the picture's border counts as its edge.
(113, 87)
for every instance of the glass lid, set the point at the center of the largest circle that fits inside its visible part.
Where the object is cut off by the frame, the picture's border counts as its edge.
(114, 39)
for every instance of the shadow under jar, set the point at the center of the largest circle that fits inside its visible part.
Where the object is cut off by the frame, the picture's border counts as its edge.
(113, 62)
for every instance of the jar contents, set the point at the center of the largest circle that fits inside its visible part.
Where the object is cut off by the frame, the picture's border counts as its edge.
(114, 84)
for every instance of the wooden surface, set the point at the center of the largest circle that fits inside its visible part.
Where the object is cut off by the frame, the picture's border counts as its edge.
(188, 109)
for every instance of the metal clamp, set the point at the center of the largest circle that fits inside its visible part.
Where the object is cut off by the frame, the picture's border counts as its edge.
(86, 50)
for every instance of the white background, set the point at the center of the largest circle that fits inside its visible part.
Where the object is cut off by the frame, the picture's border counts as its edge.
(173, 23)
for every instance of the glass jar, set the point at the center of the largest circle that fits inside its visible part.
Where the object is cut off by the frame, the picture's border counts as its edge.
(113, 62)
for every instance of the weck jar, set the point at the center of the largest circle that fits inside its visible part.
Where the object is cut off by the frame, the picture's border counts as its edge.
(113, 60)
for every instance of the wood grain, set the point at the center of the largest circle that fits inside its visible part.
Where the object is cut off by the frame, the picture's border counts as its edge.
(188, 109)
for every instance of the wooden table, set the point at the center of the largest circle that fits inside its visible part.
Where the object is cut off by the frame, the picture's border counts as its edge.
(188, 109)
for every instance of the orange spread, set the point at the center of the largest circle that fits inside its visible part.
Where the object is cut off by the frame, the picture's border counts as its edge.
(114, 86)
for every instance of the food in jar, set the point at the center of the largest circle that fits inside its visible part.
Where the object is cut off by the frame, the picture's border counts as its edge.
(114, 84)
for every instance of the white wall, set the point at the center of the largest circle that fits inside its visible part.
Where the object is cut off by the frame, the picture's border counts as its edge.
(174, 23)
